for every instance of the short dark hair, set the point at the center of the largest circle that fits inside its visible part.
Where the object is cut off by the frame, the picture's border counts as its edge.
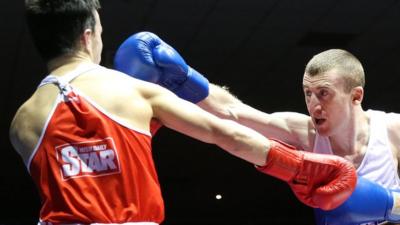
(56, 25)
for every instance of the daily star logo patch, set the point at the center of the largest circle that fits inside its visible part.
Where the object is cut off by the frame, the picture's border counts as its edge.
(93, 158)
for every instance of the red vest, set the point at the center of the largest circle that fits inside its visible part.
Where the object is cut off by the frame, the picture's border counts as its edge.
(92, 169)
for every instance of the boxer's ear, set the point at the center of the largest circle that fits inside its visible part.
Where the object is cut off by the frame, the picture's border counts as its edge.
(86, 40)
(357, 95)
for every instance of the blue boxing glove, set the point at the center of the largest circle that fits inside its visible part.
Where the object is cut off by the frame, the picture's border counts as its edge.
(370, 202)
(146, 57)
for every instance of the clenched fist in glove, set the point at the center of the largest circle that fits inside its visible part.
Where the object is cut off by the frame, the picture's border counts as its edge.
(318, 180)
(146, 57)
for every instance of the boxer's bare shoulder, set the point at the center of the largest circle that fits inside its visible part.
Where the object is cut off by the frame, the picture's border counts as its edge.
(30, 118)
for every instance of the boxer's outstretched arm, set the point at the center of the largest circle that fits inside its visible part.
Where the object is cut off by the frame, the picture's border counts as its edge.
(290, 127)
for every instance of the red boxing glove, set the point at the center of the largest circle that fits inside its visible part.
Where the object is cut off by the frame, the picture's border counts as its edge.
(318, 180)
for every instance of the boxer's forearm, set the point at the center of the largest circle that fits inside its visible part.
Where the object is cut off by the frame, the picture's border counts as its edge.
(220, 102)
(224, 104)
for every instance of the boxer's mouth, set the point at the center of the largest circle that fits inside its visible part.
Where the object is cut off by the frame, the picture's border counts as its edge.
(319, 121)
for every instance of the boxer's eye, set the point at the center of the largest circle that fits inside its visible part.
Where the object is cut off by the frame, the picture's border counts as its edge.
(323, 93)
(307, 93)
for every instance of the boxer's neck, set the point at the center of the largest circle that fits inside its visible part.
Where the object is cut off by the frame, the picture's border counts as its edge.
(353, 138)
(66, 61)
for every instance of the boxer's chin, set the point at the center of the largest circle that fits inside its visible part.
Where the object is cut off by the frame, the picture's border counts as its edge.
(321, 125)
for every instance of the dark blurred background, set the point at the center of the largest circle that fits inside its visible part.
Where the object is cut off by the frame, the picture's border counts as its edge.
(256, 47)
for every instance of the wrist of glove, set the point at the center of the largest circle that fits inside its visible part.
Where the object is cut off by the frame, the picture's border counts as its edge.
(369, 203)
(194, 89)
